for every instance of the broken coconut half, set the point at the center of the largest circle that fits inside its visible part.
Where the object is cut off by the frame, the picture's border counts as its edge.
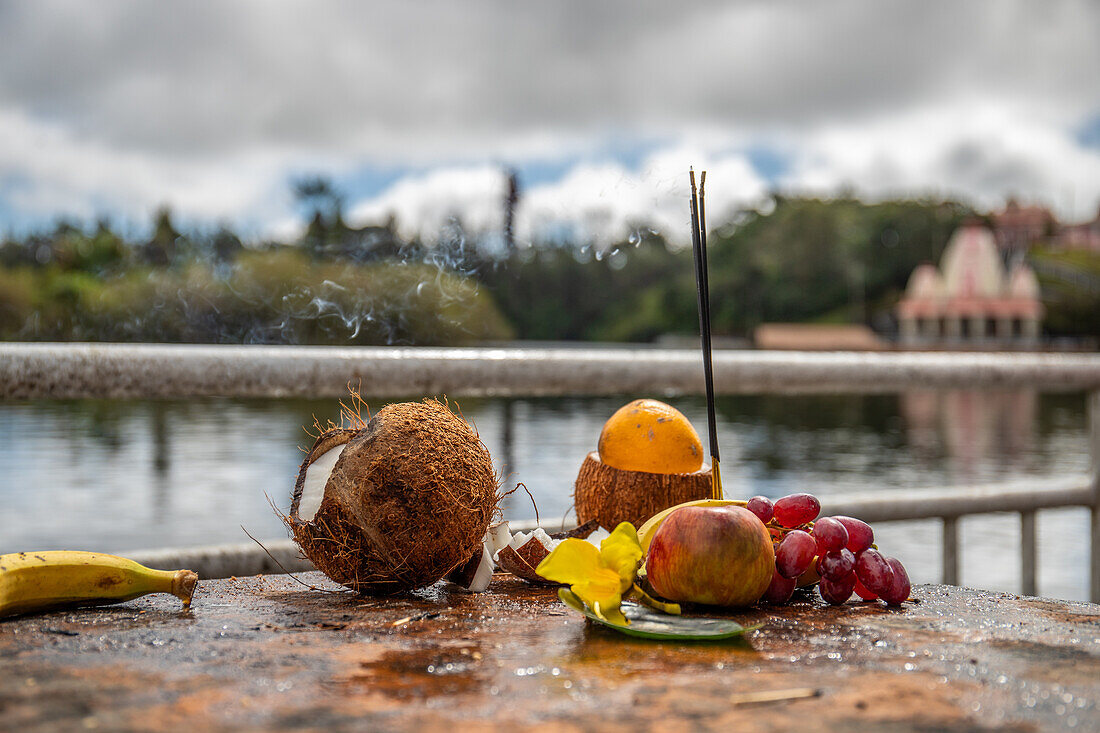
(610, 495)
(397, 503)
(523, 553)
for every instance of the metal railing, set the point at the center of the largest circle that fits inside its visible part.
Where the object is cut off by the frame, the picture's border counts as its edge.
(59, 371)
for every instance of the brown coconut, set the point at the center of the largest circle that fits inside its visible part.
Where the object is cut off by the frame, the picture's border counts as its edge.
(610, 495)
(408, 499)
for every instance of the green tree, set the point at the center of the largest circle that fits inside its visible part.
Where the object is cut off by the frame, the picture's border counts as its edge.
(161, 249)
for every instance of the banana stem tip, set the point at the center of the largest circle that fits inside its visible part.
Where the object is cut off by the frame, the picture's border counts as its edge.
(183, 586)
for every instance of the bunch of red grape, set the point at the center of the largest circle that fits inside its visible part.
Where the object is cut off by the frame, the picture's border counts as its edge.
(846, 561)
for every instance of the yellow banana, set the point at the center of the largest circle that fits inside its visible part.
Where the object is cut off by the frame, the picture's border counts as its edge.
(645, 534)
(38, 581)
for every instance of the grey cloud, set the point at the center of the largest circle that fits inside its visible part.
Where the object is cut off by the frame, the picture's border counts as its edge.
(393, 80)
(974, 163)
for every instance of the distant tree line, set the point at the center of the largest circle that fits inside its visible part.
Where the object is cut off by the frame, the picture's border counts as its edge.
(803, 259)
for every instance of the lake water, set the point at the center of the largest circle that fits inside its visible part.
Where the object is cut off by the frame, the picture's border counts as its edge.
(119, 476)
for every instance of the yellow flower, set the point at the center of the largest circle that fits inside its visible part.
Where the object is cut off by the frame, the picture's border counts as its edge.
(597, 577)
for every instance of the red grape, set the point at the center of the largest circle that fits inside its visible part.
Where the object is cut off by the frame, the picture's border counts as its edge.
(796, 509)
(830, 535)
(837, 592)
(860, 534)
(862, 592)
(899, 588)
(874, 572)
(780, 590)
(761, 506)
(796, 552)
(836, 565)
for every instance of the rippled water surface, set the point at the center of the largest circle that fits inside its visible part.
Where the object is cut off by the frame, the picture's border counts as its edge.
(119, 476)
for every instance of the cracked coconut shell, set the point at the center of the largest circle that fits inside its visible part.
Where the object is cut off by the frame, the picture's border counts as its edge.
(611, 495)
(409, 498)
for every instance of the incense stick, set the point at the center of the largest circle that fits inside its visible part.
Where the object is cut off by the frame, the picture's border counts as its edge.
(708, 363)
(702, 282)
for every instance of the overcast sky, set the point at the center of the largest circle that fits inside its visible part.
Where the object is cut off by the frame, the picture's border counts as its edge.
(114, 108)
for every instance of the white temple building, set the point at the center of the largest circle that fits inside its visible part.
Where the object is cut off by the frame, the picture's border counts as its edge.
(970, 301)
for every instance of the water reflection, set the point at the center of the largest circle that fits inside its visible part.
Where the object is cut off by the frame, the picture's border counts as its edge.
(119, 476)
(971, 428)
(161, 465)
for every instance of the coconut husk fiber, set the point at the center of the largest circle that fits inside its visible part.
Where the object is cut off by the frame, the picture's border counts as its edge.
(610, 495)
(408, 500)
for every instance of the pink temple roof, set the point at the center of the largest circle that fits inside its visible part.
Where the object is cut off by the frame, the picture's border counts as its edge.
(973, 283)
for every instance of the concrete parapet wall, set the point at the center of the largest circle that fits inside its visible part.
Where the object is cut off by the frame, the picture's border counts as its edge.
(130, 371)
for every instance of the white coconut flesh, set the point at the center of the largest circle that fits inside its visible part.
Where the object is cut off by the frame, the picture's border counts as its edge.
(485, 569)
(519, 539)
(496, 538)
(313, 488)
(598, 536)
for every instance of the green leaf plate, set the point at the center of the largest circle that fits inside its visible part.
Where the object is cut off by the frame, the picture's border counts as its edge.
(648, 624)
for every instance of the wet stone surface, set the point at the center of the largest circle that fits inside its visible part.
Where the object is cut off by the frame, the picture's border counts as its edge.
(269, 654)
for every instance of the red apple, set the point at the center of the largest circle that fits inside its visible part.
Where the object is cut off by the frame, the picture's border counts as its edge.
(719, 556)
